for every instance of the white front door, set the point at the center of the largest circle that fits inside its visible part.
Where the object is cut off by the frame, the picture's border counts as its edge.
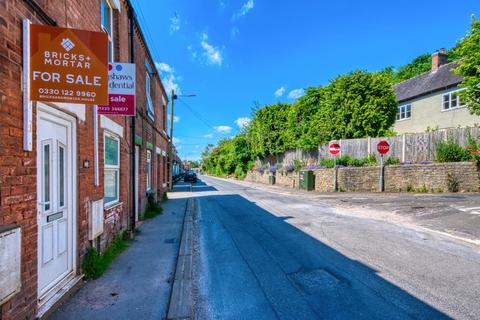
(55, 181)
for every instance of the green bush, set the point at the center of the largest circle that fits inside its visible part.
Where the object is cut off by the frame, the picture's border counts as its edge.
(449, 151)
(95, 264)
(326, 162)
(298, 165)
(353, 162)
(392, 161)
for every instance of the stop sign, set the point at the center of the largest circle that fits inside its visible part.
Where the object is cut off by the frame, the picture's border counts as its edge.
(383, 147)
(334, 148)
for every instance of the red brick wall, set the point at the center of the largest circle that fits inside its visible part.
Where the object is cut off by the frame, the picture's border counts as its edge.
(18, 199)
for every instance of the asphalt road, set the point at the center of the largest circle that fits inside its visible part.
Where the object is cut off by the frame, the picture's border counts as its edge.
(261, 254)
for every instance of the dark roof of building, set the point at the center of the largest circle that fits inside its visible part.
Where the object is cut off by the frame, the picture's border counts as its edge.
(428, 82)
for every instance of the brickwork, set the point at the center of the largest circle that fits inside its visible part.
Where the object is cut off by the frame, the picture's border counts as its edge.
(399, 178)
(18, 171)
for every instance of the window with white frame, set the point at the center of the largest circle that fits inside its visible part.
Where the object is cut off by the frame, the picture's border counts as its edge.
(452, 100)
(106, 14)
(149, 170)
(111, 146)
(148, 93)
(404, 112)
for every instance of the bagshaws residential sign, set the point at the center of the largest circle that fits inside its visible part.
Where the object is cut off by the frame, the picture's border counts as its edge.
(121, 90)
(68, 65)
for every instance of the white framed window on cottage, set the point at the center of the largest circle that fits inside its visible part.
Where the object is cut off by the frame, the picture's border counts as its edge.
(149, 170)
(111, 146)
(148, 92)
(404, 112)
(106, 13)
(452, 100)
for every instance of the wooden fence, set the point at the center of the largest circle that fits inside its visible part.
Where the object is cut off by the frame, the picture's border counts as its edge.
(415, 147)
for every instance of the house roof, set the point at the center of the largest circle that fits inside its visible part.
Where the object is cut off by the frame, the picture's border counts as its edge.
(428, 82)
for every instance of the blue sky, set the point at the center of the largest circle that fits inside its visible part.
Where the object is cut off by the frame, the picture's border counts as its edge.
(233, 53)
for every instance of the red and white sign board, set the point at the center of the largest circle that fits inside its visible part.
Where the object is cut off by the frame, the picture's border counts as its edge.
(334, 148)
(383, 147)
(121, 90)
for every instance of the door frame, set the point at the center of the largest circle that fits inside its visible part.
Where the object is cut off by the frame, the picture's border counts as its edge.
(50, 110)
(137, 182)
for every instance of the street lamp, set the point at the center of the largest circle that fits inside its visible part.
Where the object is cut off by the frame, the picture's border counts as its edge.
(170, 149)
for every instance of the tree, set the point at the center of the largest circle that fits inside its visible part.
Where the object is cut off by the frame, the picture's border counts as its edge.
(469, 67)
(419, 65)
(356, 105)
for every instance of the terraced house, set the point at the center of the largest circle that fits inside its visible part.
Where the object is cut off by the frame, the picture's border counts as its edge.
(431, 100)
(86, 176)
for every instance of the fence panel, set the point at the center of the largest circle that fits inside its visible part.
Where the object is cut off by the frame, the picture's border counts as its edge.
(415, 147)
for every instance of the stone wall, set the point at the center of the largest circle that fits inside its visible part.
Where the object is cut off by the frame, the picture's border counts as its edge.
(433, 177)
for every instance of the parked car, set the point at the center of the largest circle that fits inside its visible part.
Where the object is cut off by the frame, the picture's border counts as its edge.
(190, 176)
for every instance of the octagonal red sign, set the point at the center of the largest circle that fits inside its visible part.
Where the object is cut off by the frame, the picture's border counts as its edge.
(383, 147)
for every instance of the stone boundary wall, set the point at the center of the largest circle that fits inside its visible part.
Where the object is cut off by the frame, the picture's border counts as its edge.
(398, 178)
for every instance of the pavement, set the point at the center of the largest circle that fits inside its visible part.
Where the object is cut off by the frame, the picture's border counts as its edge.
(138, 283)
(270, 253)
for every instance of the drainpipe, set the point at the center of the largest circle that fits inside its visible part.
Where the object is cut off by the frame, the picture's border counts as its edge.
(134, 118)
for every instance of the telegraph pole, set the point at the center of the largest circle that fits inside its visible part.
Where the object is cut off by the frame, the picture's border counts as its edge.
(170, 148)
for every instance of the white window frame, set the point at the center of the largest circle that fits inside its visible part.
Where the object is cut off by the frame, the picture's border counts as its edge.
(109, 167)
(449, 96)
(403, 110)
(148, 86)
(149, 170)
(106, 4)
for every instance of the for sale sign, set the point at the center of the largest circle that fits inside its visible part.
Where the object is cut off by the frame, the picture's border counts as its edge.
(121, 90)
(68, 65)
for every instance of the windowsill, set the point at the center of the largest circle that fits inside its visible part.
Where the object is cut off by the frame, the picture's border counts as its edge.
(453, 109)
(112, 205)
(400, 120)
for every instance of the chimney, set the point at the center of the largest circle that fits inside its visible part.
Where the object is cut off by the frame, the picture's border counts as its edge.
(439, 58)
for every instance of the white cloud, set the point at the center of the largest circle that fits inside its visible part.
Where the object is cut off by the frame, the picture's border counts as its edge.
(176, 119)
(170, 79)
(208, 135)
(212, 53)
(280, 92)
(177, 141)
(247, 6)
(164, 67)
(175, 23)
(242, 122)
(296, 93)
(223, 129)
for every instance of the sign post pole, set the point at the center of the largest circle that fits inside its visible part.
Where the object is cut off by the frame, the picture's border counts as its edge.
(335, 173)
(382, 148)
(334, 149)
(382, 180)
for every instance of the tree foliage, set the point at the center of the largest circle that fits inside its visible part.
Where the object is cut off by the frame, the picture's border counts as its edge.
(469, 67)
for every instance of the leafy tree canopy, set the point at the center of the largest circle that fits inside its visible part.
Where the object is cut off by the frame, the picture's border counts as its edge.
(469, 67)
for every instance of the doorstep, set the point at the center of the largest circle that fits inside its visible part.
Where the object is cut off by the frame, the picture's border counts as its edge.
(58, 298)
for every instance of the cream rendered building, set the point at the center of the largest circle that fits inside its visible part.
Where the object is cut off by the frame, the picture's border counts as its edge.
(430, 100)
